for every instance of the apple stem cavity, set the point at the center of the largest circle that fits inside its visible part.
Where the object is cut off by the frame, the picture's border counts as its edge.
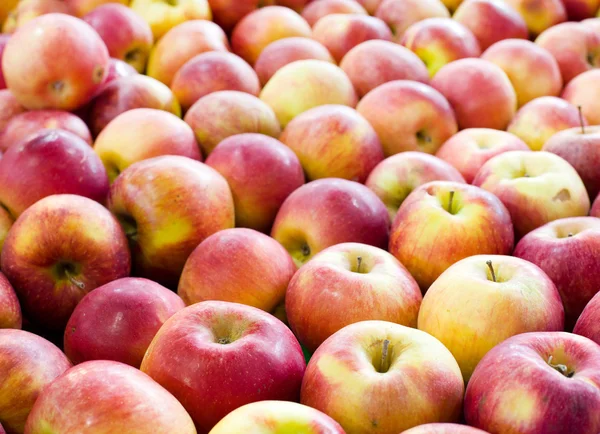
(57, 86)
(384, 366)
(491, 267)
(581, 119)
(359, 262)
(74, 281)
(560, 368)
(305, 249)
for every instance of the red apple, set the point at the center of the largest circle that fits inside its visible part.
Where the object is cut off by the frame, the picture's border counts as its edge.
(584, 91)
(443, 428)
(296, 5)
(3, 41)
(316, 10)
(540, 14)
(10, 309)
(401, 14)
(9, 107)
(370, 5)
(27, 10)
(595, 211)
(6, 221)
(117, 69)
(588, 323)
(227, 13)
(208, 345)
(579, 9)
(83, 7)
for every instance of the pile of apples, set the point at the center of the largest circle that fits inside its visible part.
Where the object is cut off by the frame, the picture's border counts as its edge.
(300, 216)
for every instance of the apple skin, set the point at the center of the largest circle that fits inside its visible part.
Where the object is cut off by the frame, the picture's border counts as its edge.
(227, 13)
(117, 321)
(408, 116)
(261, 172)
(564, 249)
(595, 211)
(514, 387)
(333, 141)
(223, 114)
(588, 324)
(9, 107)
(344, 379)
(182, 43)
(211, 72)
(50, 162)
(426, 224)
(373, 63)
(540, 119)
(28, 10)
(115, 396)
(83, 7)
(240, 266)
(6, 221)
(126, 35)
(369, 5)
(330, 211)
(274, 417)
(532, 70)
(495, 103)
(265, 25)
(3, 41)
(304, 84)
(536, 187)
(584, 91)
(400, 15)
(139, 134)
(316, 10)
(10, 309)
(470, 149)
(29, 363)
(578, 10)
(491, 21)
(218, 342)
(40, 76)
(439, 41)
(443, 428)
(397, 176)
(167, 206)
(117, 69)
(540, 15)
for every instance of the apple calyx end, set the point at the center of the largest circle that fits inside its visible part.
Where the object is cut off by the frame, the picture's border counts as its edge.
(491, 267)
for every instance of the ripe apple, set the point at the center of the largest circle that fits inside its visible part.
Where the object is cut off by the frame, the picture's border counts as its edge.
(261, 172)
(117, 321)
(28, 363)
(408, 116)
(595, 211)
(296, 5)
(167, 206)
(492, 106)
(39, 74)
(6, 221)
(330, 211)
(211, 72)
(531, 69)
(117, 69)
(3, 41)
(439, 41)
(384, 376)
(10, 309)
(588, 323)
(540, 15)
(83, 7)
(524, 381)
(139, 134)
(373, 63)
(126, 35)
(227, 13)
(28, 10)
(223, 114)
(105, 396)
(584, 91)
(316, 10)
(482, 300)
(217, 343)
(9, 107)
(333, 141)
(536, 187)
(401, 14)
(443, 428)
(6, 7)
(370, 5)
(164, 15)
(580, 9)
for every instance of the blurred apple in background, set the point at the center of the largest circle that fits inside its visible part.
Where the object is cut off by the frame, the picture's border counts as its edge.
(385, 375)
(531, 69)
(408, 116)
(83, 7)
(262, 172)
(439, 41)
(596, 208)
(296, 5)
(4, 38)
(223, 114)
(9, 107)
(6, 221)
(588, 323)
(536, 187)
(40, 76)
(163, 15)
(227, 13)
(523, 381)
(28, 10)
(370, 5)
(540, 15)
(470, 149)
(495, 103)
(117, 321)
(117, 69)
(471, 308)
(584, 91)
(5, 7)
(443, 428)
(28, 363)
(581, 9)
(316, 10)
(399, 15)
(214, 343)
(10, 309)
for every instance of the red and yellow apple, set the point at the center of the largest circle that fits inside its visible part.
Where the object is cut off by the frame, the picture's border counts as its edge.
(401, 14)
(588, 323)
(580, 9)
(10, 309)
(540, 15)
(28, 10)
(443, 428)
(584, 91)
(9, 107)
(83, 7)
(164, 15)
(227, 13)
(316, 10)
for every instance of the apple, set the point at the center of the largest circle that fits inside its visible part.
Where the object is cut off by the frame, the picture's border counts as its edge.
(373, 63)
(588, 324)
(117, 321)
(540, 15)
(105, 396)
(401, 14)
(578, 10)
(223, 114)
(28, 10)
(4, 38)
(28, 363)
(211, 72)
(538, 120)
(6, 7)
(10, 309)
(272, 417)
(265, 25)
(408, 116)
(342, 32)
(117, 69)
(584, 91)
(524, 381)
(126, 35)
(384, 376)
(139, 134)
(443, 428)
(210, 344)
(9, 107)
(531, 69)
(370, 5)
(227, 13)
(592, 23)
(182, 43)
(83, 7)
(316, 10)
(330, 211)
(536, 187)
(494, 104)
(167, 206)
(304, 84)
(491, 21)
(297, 5)
(6, 221)
(261, 172)
(439, 41)
(39, 74)
(595, 211)
(333, 141)
(164, 15)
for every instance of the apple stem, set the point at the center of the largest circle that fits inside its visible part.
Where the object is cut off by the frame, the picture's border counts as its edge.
(305, 249)
(384, 356)
(560, 368)
(570, 234)
(450, 201)
(491, 267)
(359, 261)
(74, 281)
(581, 119)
